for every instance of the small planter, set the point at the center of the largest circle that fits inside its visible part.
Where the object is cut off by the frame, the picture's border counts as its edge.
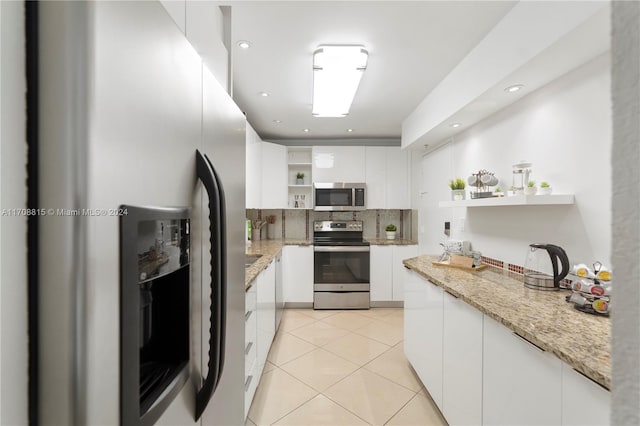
(545, 190)
(458, 194)
(530, 190)
(300, 181)
(391, 235)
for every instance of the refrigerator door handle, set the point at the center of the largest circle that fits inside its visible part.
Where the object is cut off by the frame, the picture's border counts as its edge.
(217, 320)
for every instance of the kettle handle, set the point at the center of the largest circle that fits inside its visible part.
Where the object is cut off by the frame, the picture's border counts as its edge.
(559, 252)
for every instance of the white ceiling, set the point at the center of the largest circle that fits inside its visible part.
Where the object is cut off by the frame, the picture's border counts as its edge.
(412, 46)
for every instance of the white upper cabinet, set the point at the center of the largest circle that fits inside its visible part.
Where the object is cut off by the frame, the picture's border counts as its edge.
(274, 176)
(338, 164)
(387, 177)
(254, 169)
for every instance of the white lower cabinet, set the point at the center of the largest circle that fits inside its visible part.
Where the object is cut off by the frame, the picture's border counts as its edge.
(399, 272)
(250, 352)
(461, 363)
(387, 272)
(480, 372)
(423, 328)
(266, 318)
(584, 402)
(522, 385)
(297, 274)
(381, 273)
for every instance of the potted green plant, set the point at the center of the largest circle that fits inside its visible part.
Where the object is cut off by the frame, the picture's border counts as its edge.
(457, 189)
(391, 231)
(545, 189)
(531, 188)
(299, 178)
(498, 192)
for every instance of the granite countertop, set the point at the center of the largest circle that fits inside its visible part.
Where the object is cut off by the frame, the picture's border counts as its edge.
(385, 242)
(268, 249)
(543, 317)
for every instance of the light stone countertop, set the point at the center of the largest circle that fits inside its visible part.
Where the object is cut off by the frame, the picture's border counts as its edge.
(268, 249)
(385, 242)
(543, 317)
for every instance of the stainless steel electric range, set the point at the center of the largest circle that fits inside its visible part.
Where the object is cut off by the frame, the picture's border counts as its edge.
(340, 265)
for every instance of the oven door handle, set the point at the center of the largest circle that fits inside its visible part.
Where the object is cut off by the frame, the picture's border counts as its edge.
(333, 249)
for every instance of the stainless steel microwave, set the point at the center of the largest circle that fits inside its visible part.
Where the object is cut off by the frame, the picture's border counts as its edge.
(339, 196)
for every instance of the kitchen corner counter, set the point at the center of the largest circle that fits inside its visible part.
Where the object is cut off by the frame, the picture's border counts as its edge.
(268, 249)
(385, 242)
(542, 317)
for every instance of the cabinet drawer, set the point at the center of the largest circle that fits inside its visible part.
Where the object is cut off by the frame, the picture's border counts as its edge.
(250, 299)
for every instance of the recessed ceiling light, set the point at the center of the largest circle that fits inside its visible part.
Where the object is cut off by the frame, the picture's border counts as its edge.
(277, 121)
(263, 94)
(349, 130)
(454, 125)
(514, 88)
(306, 130)
(244, 44)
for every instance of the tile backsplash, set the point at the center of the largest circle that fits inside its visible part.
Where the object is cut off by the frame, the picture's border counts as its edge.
(298, 224)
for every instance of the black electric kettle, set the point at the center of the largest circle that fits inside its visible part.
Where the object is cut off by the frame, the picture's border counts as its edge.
(541, 266)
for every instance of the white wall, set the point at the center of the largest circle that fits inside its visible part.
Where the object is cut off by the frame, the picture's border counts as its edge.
(13, 257)
(564, 129)
(626, 213)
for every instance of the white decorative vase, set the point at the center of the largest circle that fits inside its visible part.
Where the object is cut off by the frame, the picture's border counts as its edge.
(530, 190)
(299, 181)
(545, 191)
(458, 194)
(391, 235)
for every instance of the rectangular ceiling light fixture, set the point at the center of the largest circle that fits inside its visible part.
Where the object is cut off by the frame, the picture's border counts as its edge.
(336, 75)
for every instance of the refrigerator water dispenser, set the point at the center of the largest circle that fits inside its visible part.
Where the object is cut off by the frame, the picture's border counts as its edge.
(154, 311)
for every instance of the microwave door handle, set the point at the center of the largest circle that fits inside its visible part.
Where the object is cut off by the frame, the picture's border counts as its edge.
(206, 175)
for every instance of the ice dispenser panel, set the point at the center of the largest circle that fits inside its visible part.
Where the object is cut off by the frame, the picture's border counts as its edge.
(154, 310)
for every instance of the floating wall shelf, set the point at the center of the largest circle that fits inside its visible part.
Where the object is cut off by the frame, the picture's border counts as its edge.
(514, 200)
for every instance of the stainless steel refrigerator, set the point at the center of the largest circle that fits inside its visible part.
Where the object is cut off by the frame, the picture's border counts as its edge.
(118, 104)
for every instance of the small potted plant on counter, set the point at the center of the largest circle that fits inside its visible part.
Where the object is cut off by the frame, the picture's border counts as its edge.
(457, 189)
(545, 189)
(531, 188)
(299, 178)
(498, 192)
(391, 231)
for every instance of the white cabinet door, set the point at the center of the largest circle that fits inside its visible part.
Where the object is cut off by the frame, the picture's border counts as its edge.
(415, 316)
(521, 383)
(381, 276)
(584, 402)
(461, 363)
(253, 190)
(266, 320)
(338, 164)
(387, 178)
(398, 183)
(399, 272)
(274, 176)
(250, 352)
(297, 274)
(423, 306)
(376, 177)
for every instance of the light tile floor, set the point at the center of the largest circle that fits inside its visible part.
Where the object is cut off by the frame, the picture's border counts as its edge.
(341, 368)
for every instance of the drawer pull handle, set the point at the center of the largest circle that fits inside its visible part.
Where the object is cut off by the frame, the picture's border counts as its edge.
(529, 342)
(246, 351)
(589, 378)
(247, 383)
(247, 315)
(452, 295)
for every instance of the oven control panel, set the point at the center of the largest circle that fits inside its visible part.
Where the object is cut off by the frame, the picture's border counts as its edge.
(331, 226)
